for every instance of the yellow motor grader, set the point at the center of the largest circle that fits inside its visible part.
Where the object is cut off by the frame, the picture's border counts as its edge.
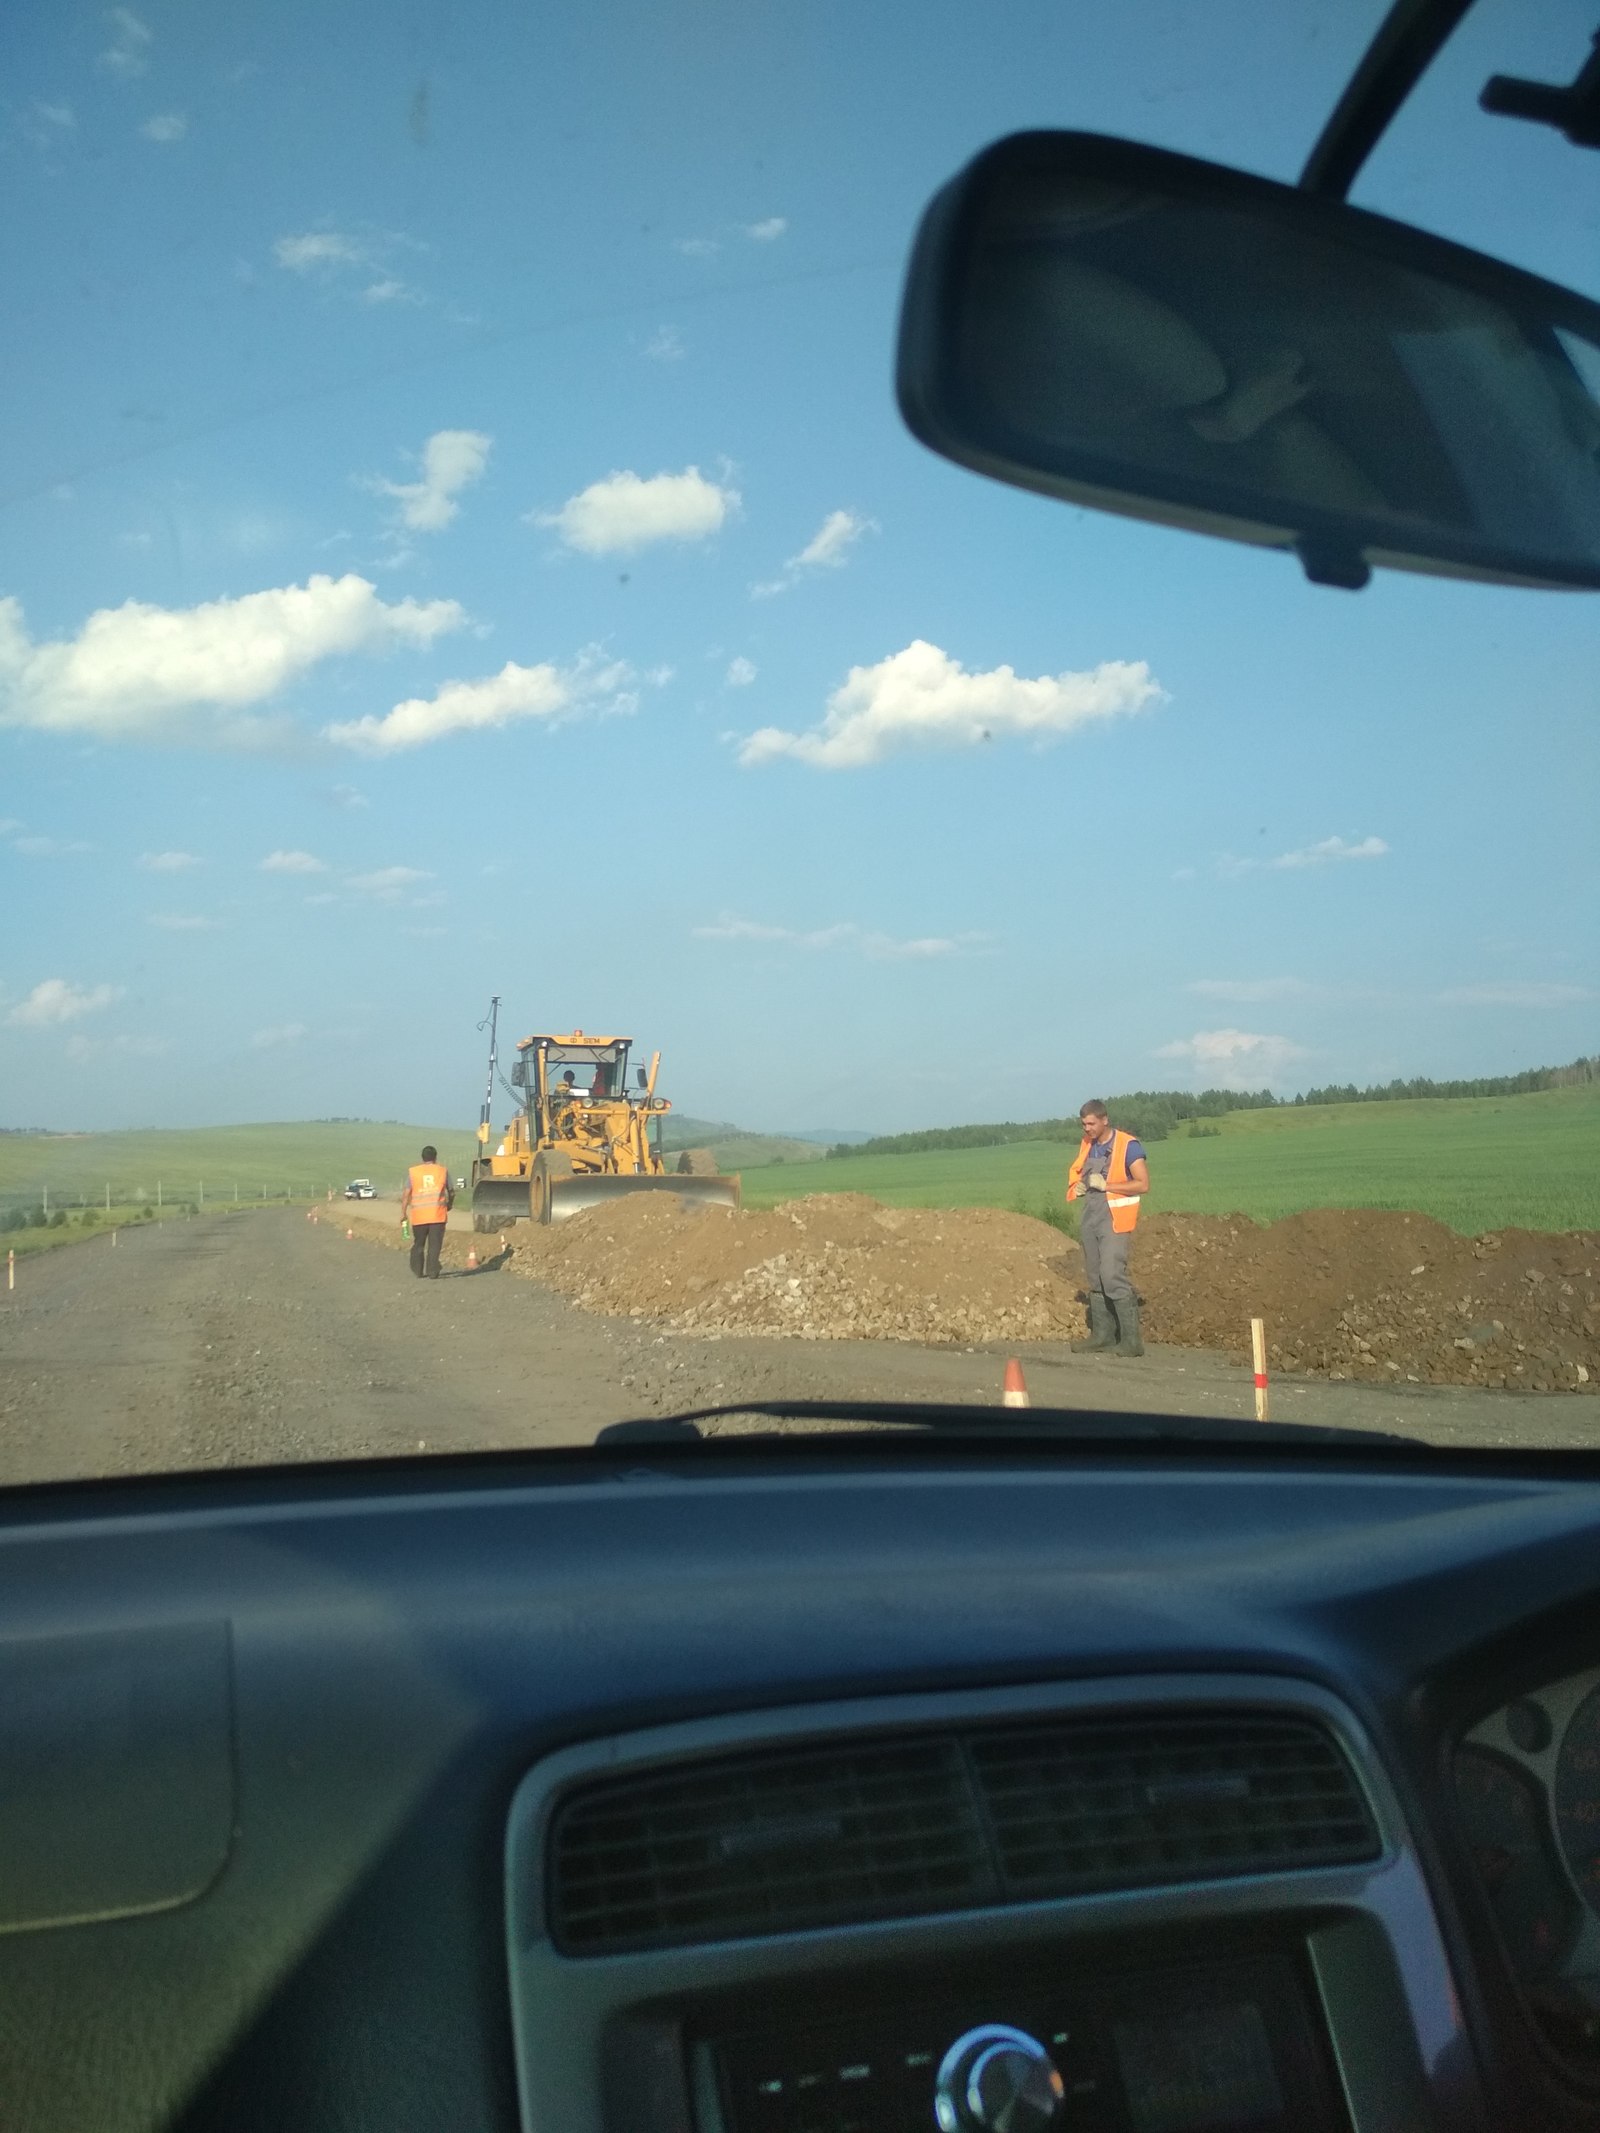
(581, 1136)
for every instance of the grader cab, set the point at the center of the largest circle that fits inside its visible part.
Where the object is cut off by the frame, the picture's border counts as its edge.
(583, 1136)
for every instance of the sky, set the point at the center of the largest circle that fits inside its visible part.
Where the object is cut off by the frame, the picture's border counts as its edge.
(457, 538)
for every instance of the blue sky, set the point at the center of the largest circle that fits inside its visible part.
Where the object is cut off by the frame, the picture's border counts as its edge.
(442, 437)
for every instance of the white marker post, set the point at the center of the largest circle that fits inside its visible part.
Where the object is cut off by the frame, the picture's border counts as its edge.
(11, 1270)
(1258, 1357)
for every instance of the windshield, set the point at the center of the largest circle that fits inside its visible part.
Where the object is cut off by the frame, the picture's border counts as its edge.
(463, 575)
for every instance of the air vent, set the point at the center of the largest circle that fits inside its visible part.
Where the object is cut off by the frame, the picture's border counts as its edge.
(1117, 1803)
(768, 1843)
(782, 1840)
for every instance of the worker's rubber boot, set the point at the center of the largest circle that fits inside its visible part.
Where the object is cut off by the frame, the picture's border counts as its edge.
(1126, 1315)
(1102, 1327)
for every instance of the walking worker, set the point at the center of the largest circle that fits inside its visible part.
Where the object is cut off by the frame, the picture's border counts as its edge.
(1110, 1175)
(425, 1201)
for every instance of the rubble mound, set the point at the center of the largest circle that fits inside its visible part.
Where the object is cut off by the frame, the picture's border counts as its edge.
(1346, 1293)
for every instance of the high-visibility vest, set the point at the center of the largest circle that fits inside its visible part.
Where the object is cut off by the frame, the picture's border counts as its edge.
(430, 1185)
(1124, 1206)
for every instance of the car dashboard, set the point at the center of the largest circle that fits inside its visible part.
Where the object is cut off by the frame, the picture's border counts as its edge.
(805, 1786)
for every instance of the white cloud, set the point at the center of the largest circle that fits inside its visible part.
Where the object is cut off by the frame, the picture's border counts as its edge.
(1515, 993)
(1234, 1058)
(347, 797)
(628, 511)
(314, 251)
(390, 289)
(293, 863)
(49, 847)
(1245, 992)
(878, 947)
(388, 883)
(1330, 851)
(138, 672)
(766, 232)
(451, 461)
(741, 672)
(128, 53)
(46, 125)
(55, 1000)
(828, 549)
(264, 1040)
(168, 862)
(182, 922)
(922, 698)
(665, 345)
(516, 692)
(697, 247)
(166, 126)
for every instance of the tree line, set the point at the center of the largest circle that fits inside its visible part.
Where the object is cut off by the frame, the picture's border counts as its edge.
(1152, 1114)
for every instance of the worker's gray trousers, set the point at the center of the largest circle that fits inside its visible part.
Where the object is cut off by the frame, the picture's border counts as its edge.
(1105, 1254)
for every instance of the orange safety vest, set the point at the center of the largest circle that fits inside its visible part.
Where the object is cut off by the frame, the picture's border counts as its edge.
(429, 1185)
(1124, 1206)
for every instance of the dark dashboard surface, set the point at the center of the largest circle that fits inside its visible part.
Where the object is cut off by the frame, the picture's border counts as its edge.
(259, 1735)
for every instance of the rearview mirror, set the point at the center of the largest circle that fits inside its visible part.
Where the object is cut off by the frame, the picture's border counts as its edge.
(1144, 333)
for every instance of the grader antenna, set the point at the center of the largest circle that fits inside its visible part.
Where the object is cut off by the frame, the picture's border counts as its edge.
(492, 1021)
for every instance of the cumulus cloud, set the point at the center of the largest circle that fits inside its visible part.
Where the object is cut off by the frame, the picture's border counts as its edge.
(878, 947)
(1329, 851)
(451, 461)
(516, 692)
(1234, 1058)
(165, 127)
(768, 231)
(627, 511)
(1515, 993)
(56, 1000)
(828, 549)
(388, 883)
(741, 672)
(138, 672)
(128, 53)
(265, 1040)
(49, 847)
(168, 862)
(293, 863)
(922, 698)
(314, 251)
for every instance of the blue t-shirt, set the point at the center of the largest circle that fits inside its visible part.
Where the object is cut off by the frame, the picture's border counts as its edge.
(1099, 1157)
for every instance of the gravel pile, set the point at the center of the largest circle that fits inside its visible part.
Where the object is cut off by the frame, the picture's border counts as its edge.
(1345, 1293)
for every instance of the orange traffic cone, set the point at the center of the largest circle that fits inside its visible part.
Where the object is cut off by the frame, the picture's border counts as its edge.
(1016, 1387)
(472, 1257)
(349, 1236)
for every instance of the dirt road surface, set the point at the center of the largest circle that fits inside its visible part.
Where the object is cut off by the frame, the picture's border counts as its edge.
(260, 1337)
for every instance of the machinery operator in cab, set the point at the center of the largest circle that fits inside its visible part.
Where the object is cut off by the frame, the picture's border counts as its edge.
(1110, 1175)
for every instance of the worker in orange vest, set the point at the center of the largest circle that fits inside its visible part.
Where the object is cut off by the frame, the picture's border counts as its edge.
(425, 1202)
(1110, 1175)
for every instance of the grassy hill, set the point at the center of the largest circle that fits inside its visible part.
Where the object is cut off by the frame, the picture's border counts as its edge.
(291, 1160)
(1474, 1163)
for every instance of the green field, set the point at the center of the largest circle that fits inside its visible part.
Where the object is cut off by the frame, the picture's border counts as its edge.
(1474, 1163)
(216, 1163)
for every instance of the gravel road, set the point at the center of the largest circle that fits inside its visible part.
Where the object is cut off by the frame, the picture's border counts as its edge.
(261, 1337)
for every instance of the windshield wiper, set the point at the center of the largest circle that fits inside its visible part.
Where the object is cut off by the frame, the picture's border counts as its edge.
(999, 1425)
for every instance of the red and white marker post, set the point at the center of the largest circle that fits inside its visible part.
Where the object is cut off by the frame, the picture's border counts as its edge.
(1258, 1356)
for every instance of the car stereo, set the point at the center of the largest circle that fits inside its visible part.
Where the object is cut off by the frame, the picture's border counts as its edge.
(1228, 2047)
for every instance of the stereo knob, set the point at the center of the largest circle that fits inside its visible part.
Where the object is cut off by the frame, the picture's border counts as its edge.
(997, 2080)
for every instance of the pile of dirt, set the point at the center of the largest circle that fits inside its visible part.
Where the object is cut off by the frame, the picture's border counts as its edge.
(1345, 1293)
(835, 1266)
(1359, 1293)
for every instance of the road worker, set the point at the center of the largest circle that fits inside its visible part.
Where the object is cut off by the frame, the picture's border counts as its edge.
(1110, 1175)
(425, 1202)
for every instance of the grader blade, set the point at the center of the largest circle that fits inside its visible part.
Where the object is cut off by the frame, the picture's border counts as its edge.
(574, 1195)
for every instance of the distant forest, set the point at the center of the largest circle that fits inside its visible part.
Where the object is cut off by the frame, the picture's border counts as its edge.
(1152, 1114)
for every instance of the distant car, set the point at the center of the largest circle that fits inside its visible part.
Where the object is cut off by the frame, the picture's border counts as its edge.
(360, 1189)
